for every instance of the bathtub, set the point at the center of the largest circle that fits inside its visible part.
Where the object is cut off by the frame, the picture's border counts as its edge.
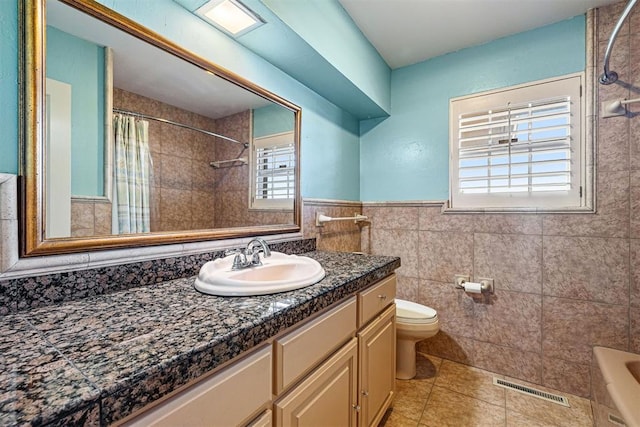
(620, 372)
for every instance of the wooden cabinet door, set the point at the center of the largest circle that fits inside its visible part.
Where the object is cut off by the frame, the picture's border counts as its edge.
(230, 397)
(327, 397)
(377, 365)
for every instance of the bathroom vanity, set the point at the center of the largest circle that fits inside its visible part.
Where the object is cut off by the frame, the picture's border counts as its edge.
(337, 368)
(147, 354)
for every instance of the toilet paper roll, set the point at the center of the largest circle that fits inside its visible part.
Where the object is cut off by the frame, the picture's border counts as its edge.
(472, 287)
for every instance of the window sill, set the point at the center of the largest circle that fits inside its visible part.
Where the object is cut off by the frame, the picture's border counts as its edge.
(532, 210)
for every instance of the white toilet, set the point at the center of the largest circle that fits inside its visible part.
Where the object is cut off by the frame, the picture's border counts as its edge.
(414, 322)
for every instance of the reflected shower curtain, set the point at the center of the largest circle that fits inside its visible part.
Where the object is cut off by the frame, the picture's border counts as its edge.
(132, 170)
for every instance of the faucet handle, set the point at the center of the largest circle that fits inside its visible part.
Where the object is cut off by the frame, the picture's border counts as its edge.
(238, 262)
(240, 259)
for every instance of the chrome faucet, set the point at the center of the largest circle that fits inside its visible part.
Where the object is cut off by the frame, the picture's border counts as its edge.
(249, 256)
(254, 247)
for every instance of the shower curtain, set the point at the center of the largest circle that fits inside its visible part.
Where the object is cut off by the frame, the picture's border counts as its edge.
(132, 170)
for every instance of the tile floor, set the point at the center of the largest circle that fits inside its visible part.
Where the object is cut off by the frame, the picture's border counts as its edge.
(446, 393)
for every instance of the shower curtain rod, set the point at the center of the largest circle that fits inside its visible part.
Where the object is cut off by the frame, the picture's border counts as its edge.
(171, 122)
(609, 76)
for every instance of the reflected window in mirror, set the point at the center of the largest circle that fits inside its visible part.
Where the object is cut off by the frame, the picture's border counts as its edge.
(272, 160)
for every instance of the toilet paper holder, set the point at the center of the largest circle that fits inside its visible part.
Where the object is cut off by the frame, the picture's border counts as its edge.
(486, 284)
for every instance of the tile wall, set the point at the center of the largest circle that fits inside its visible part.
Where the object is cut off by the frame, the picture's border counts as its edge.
(564, 282)
(342, 236)
(8, 221)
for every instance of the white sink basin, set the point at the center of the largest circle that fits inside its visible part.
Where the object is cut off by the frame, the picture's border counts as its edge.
(278, 273)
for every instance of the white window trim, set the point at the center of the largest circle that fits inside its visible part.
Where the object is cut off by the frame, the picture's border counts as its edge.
(255, 204)
(586, 172)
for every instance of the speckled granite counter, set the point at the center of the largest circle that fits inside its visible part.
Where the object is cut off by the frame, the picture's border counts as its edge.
(96, 360)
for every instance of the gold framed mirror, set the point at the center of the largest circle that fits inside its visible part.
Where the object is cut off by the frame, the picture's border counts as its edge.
(160, 146)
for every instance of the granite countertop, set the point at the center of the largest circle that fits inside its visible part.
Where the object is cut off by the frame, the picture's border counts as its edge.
(96, 360)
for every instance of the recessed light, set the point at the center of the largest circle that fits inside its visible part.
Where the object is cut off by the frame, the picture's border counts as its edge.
(230, 16)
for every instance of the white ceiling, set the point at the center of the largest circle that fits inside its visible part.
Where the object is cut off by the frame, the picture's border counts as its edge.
(409, 31)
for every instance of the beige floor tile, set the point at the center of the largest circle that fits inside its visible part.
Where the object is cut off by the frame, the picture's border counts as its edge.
(472, 382)
(516, 419)
(549, 413)
(427, 367)
(411, 395)
(446, 393)
(395, 419)
(411, 398)
(447, 408)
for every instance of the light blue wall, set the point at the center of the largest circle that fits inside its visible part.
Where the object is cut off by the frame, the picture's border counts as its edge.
(9, 86)
(81, 64)
(405, 157)
(271, 120)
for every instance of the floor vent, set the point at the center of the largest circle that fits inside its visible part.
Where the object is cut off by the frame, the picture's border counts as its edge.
(560, 400)
(616, 420)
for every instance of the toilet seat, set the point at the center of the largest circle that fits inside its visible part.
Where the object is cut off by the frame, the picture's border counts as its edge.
(410, 312)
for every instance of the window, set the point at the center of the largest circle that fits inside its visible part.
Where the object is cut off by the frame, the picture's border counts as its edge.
(519, 147)
(273, 172)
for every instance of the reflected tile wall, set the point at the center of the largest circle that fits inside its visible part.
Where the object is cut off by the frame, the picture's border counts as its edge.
(90, 217)
(232, 181)
(180, 158)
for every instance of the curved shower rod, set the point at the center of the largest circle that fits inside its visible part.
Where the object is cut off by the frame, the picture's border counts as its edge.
(171, 122)
(609, 76)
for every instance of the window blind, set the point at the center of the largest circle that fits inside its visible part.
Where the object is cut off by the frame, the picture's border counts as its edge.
(516, 148)
(275, 172)
(519, 147)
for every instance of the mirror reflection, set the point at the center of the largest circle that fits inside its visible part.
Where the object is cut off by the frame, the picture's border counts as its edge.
(140, 141)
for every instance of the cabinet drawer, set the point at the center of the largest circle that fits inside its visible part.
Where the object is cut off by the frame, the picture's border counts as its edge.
(301, 350)
(219, 400)
(373, 300)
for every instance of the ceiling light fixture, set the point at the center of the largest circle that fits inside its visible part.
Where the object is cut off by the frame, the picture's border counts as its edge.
(230, 16)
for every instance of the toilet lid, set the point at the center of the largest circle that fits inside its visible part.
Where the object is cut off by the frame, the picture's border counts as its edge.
(411, 312)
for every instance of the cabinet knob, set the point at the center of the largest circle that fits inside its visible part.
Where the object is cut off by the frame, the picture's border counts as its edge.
(365, 393)
(382, 297)
(356, 407)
